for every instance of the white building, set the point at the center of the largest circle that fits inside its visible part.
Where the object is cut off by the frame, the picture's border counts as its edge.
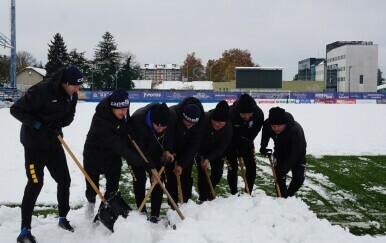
(352, 66)
(160, 72)
(319, 72)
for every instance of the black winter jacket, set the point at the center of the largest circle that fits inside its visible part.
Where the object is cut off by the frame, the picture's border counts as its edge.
(186, 142)
(151, 144)
(45, 102)
(107, 140)
(215, 142)
(290, 145)
(245, 130)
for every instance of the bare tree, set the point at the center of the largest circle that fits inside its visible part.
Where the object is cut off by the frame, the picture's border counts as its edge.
(25, 59)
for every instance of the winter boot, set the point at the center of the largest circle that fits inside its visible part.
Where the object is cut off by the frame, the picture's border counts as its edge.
(65, 224)
(154, 219)
(26, 236)
(89, 210)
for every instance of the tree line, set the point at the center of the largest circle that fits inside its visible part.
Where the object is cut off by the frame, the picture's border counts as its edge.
(110, 69)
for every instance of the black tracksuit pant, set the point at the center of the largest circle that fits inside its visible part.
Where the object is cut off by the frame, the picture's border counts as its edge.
(35, 161)
(298, 176)
(112, 181)
(139, 184)
(248, 157)
(186, 179)
(216, 170)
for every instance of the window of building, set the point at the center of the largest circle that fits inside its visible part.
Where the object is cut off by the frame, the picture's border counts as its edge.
(361, 79)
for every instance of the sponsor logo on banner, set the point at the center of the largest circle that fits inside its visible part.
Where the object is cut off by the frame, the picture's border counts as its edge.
(201, 96)
(304, 101)
(325, 101)
(177, 95)
(346, 101)
(152, 95)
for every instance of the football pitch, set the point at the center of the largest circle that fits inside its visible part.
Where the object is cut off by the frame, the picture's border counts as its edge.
(349, 191)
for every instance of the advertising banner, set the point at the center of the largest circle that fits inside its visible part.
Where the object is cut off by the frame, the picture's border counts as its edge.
(260, 97)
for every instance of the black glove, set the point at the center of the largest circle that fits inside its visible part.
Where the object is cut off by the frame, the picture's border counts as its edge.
(55, 125)
(38, 126)
(148, 166)
(265, 151)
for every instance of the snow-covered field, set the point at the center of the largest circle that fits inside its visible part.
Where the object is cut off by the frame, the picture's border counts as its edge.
(330, 129)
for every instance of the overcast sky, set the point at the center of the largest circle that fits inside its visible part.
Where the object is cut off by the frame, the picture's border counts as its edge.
(278, 33)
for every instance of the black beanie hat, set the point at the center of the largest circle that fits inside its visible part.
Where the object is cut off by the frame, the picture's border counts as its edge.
(276, 116)
(72, 76)
(160, 115)
(221, 112)
(246, 104)
(191, 113)
(119, 99)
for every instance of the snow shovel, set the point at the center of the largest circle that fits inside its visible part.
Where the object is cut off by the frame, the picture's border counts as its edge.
(150, 190)
(110, 209)
(274, 176)
(180, 196)
(210, 183)
(243, 175)
(155, 174)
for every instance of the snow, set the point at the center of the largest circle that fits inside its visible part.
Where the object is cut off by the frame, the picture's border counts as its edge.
(179, 85)
(142, 84)
(41, 71)
(329, 129)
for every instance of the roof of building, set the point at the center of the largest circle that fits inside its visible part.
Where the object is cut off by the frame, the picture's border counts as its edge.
(160, 66)
(179, 85)
(40, 71)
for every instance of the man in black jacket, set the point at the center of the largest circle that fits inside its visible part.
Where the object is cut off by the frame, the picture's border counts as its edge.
(289, 151)
(187, 138)
(247, 119)
(150, 130)
(106, 144)
(45, 108)
(217, 136)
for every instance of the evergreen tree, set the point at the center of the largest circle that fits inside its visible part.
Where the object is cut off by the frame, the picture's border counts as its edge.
(106, 63)
(57, 54)
(127, 73)
(106, 51)
(77, 59)
(4, 69)
(380, 78)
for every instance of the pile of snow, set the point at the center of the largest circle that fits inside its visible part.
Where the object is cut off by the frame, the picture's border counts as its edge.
(329, 129)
